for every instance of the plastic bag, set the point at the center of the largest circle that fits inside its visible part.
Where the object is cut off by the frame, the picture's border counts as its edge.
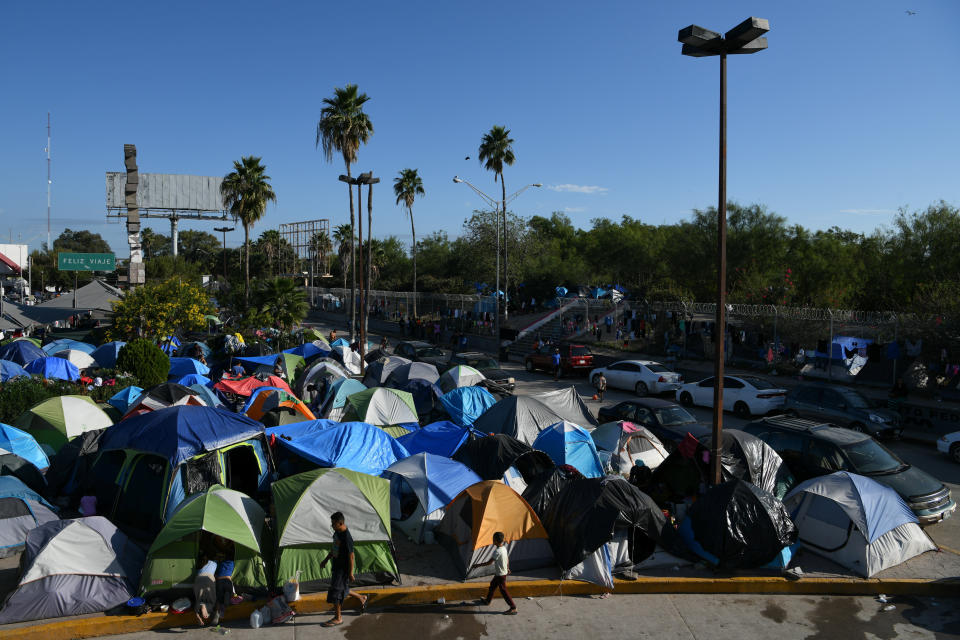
(291, 588)
(280, 611)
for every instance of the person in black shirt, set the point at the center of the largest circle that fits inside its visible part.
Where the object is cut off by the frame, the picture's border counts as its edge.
(342, 555)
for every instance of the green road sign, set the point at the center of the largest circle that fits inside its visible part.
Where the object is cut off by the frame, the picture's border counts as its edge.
(86, 262)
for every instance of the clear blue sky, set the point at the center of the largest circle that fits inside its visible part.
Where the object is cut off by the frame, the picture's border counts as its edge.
(850, 114)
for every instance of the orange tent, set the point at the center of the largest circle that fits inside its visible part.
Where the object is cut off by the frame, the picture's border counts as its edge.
(277, 400)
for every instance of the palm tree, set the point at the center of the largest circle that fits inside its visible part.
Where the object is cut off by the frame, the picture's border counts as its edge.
(496, 151)
(407, 186)
(344, 237)
(282, 303)
(246, 191)
(320, 248)
(343, 127)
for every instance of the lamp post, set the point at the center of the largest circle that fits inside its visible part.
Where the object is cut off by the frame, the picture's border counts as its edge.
(367, 179)
(496, 204)
(224, 231)
(353, 292)
(698, 42)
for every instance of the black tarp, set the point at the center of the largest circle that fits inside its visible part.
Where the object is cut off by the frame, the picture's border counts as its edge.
(746, 457)
(167, 394)
(520, 417)
(69, 472)
(13, 465)
(491, 456)
(541, 491)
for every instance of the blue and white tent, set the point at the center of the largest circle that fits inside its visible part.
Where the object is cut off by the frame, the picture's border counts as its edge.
(10, 369)
(567, 443)
(21, 443)
(125, 398)
(439, 438)
(54, 368)
(351, 445)
(309, 350)
(65, 344)
(106, 354)
(208, 395)
(21, 511)
(180, 367)
(466, 404)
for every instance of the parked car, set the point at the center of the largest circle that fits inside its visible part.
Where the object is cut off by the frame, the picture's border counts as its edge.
(485, 365)
(950, 444)
(812, 449)
(423, 352)
(667, 420)
(574, 358)
(744, 395)
(843, 407)
(643, 377)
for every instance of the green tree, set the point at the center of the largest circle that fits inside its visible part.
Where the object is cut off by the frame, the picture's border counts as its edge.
(281, 303)
(343, 127)
(496, 150)
(201, 248)
(145, 361)
(246, 191)
(407, 186)
(162, 268)
(158, 310)
(344, 237)
(154, 244)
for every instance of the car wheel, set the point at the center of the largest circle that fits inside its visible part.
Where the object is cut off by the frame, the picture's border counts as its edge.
(741, 410)
(955, 452)
(529, 365)
(686, 399)
(641, 389)
(858, 427)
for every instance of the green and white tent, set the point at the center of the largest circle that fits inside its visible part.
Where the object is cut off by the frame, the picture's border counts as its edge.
(172, 559)
(304, 504)
(380, 406)
(56, 420)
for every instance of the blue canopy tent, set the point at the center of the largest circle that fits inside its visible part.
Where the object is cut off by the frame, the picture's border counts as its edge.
(125, 398)
(10, 369)
(567, 443)
(466, 404)
(184, 366)
(66, 343)
(106, 354)
(54, 368)
(21, 352)
(335, 401)
(308, 350)
(194, 378)
(439, 438)
(24, 445)
(352, 445)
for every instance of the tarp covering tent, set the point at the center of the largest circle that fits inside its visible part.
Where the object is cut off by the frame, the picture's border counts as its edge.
(246, 385)
(125, 398)
(268, 405)
(749, 458)
(403, 374)
(23, 444)
(381, 406)
(192, 379)
(56, 420)
(567, 443)
(106, 354)
(460, 376)
(856, 522)
(168, 394)
(335, 401)
(21, 510)
(13, 465)
(737, 525)
(520, 417)
(439, 438)
(379, 370)
(465, 405)
(426, 395)
(172, 559)
(567, 404)
(500, 457)
(304, 504)
(10, 370)
(310, 350)
(56, 346)
(53, 368)
(470, 521)
(351, 445)
(69, 472)
(73, 567)
(291, 364)
(349, 358)
(180, 367)
(542, 489)
(80, 359)
(420, 487)
(621, 445)
(21, 352)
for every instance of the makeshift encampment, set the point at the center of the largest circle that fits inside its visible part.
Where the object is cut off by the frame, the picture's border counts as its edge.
(304, 504)
(567, 404)
(459, 376)
(168, 394)
(425, 395)
(324, 368)
(275, 407)
(439, 438)
(346, 356)
(78, 358)
(749, 458)
(567, 443)
(420, 487)
(21, 443)
(172, 559)
(180, 367)
(335, 401)
(21, 352)
(246, 385)
(310, 350)
(403, 374)
(520, 417)
(125, 398)
(21, 510)
(381, 406)
(57, 346)
(467, 529)
(621, 445)
(379, 370)
(500, 457)
(351, 445)
(53, 368)
(69, 472)
(10, 370)
(106, 354)
(291, 365)
(465, 405)
(856, 522)
(73, 567)
(55, 420)
(14, 466)
(542, 489)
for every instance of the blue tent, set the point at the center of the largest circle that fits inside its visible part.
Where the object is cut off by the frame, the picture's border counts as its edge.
(352, 445)
(308, 350)
(253, 396)
(208, 395)
(340, 342)
(194, 378)
(106, 354)
(567, 443)
(169, 345)
(185, 366)
(54, 368)
(66, 343)
(21, 352)
(125, 398)
(257, 361)
(439, 438)
(466, 404)
(11, 370)
(425, 394)
(22, 444)
(335, 400)
(435, 480)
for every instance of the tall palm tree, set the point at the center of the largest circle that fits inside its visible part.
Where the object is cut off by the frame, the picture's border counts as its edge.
(343, 234)
(343, 127)
(496, 150)
(407, 186)
(246, 191)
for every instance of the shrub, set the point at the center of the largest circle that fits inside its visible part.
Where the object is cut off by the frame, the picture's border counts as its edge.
(19, 394)
(145, 361)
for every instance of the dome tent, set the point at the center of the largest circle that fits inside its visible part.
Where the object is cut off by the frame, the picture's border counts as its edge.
(180, 367)
(167, 394)
(335, 401)
(381, 406)
(567, 443)
(21, 511)
(78, 358)
(125, 398)
(21, 352)
(55, 420)
(520, 417)
(64, 344)
(379, 370)
(439, 438)
(567, 404)
(352, 445)
(403, 374)
(458, 377)
(10, 370)
(21, 443)
(106, 354)
(53, 368)
(500, 457)
(13, 465)
(639, 444)
(465, 405)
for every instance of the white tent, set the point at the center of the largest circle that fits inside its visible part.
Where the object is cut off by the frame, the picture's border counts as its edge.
(80, 359)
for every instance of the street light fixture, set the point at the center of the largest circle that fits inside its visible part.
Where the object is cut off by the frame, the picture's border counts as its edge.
(698, 42)
(224, 231)
(353, 291)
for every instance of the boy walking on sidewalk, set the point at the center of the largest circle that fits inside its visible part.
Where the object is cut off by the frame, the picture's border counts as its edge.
(501, 567)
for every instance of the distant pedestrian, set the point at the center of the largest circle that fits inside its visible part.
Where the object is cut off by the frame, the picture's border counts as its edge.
(609, 322)
(556, 364)
(501, 569)
(600, 384)
(343, 562)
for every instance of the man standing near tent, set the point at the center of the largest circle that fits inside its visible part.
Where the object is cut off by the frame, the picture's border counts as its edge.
(600, 384)
(501, 568)
(342, 554)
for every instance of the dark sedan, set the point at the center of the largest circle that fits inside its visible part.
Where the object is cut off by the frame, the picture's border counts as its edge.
(667, 420)
(423, 352)
(485, 365)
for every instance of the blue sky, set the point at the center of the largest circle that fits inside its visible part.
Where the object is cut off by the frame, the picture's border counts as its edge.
(850, 113)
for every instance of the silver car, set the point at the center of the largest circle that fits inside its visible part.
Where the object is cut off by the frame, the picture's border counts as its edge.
(643, 377)
(843, 407)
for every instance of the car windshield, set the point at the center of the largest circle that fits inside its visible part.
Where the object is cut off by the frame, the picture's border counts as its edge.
(429, 352)
(657, 368)
(482, 363)
(758, 383)
(856, 400)
(673, 416)
(869, 456)
(579, 351)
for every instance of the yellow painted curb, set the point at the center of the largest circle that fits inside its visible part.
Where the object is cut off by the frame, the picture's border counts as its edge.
(101, 625)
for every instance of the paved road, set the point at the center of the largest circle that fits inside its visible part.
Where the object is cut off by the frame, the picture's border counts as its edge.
(710, 617)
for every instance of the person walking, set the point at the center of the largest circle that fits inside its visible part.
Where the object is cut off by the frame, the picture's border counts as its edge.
(600, 384)
(556, 364)
(343, 562)
(501, 569)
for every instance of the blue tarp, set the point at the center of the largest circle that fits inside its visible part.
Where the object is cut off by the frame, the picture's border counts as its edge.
(12, 487)
(21, 352)
(307, 350)
(340, 342)
(54, 368)
(125, 398)
(22, 444)
(10, 369)
(435, 480)
(194, 378)
(257, 361)
(106, 354)
(181, 432)
(440, 438)
(352, 445)
(185, 366)
(66, 343)
(466, 404)
(567, 443)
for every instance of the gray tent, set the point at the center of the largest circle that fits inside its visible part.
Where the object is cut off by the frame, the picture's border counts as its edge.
(567, 404)
(73, 567)
(403, 374)
(21, 511)
(379, 370)
(521, 417)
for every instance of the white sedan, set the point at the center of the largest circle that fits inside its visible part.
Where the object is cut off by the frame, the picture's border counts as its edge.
(950, 444)
(640, 376)
(744, 395)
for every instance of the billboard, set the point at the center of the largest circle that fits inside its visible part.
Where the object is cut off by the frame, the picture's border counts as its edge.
(168, 191)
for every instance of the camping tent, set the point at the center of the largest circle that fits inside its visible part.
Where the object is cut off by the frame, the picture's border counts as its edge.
(381, 406)
(403, 374)
(500, 457)
(465, 405)
(21, 510)
(21, 443)
(180, 367)
(379, 370)
(73, 567)
(351, 445)
(13, 465)
(122, 400)
(106, 354)
(193, 379)
(53, 368)
(208, 395)
(77, 357)
(69, 472)
(542, 489)
(480, 510)
(21, 352)
(567, 404)
(749, 458)
(172, 558)
(304, 504)
(420, 487)
(55, 420)
(275, 406)
(520, 417)
(322, 368)
(310, 350)
(10, 370)
(291, 364)
(335, 401)
(439, 438)
(567, 443)
(425, 395)
(245, 386)
(168, 394)
(621, 445)
(459, 376)
(349, 358)
(856, 522)
(63, 344)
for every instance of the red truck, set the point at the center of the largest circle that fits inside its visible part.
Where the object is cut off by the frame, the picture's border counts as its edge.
(574, 358)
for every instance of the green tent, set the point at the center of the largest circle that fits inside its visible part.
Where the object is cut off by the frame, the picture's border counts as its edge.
(304, 504)
(54, 421)
(395, 430)
(292, 365)
(381, 406)
(172, 559)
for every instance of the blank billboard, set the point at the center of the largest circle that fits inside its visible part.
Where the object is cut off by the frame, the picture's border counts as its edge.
(167, 191)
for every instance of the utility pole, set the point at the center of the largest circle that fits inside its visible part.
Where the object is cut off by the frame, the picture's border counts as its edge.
(224, 231)
(368, 179)
(49, 182)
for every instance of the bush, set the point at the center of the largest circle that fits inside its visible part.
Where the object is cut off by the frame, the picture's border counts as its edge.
(19, 394)
(145, 361)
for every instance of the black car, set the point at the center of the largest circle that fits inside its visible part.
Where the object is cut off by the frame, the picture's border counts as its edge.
(484, 364)
(812, 449)
(667, 420)
(422, 352)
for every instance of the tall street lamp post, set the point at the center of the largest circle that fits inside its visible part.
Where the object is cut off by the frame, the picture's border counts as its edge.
(358, 182)
(367, 179)
(698, 42)
(224, 231)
